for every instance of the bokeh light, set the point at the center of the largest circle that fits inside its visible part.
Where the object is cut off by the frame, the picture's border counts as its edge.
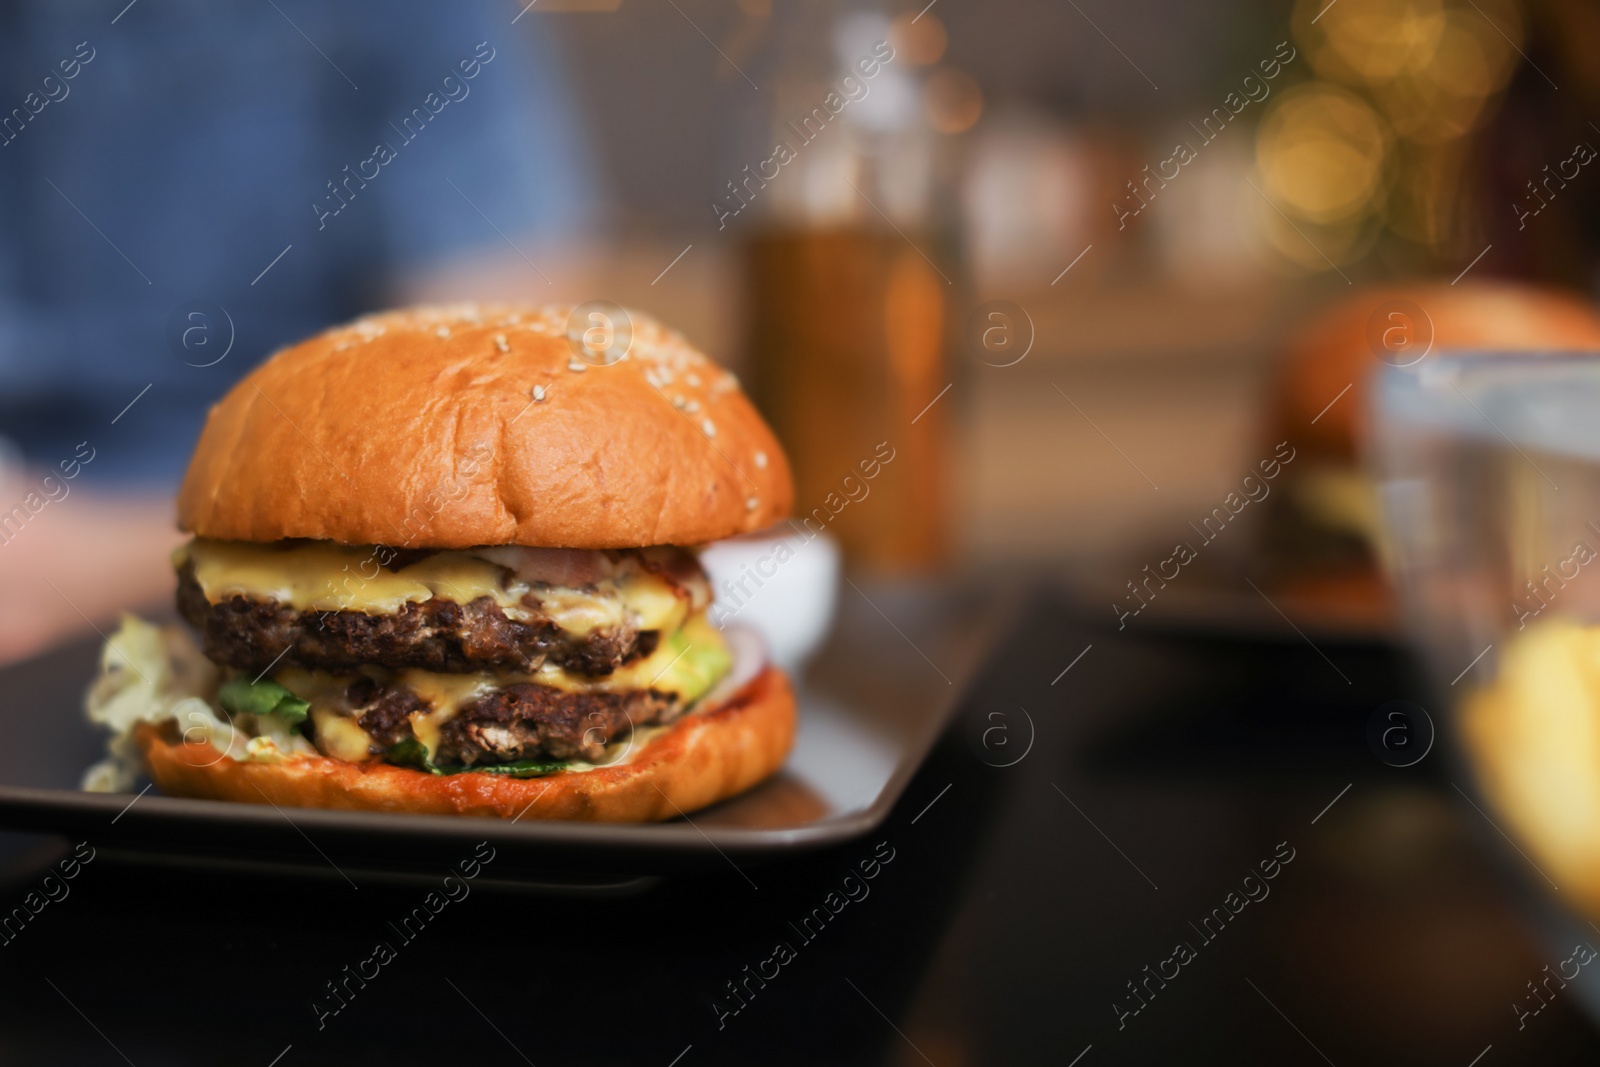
(1444, 98)
(1321, 152)
(918, 40)
(1364, 42)
(1374, 143)
(952, 100)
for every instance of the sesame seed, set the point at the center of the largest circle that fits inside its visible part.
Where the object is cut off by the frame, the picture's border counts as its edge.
(694, 380)
(678, 402)
(538, 392)
(500, 342)
(761, 460)
(709, 427)
(575, 365)
(750, 503)
(692, 406)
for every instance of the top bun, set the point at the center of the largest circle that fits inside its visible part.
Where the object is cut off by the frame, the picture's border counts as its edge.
(458, 426)
(1334, 350)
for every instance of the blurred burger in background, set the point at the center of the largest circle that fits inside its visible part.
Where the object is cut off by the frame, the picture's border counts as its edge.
(1322, 532)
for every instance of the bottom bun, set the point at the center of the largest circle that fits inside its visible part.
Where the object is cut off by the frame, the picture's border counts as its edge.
(704, 757)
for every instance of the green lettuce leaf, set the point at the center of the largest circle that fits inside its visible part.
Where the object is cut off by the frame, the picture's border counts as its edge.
(414, 754)
(411, 753)
(525, 768)
(262, 698)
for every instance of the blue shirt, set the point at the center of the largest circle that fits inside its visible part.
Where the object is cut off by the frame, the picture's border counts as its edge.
(157, 165)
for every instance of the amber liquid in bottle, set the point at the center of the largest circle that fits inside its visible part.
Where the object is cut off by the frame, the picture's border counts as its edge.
(846, 346)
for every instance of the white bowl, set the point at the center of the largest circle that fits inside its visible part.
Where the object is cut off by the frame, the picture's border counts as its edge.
(781, 583)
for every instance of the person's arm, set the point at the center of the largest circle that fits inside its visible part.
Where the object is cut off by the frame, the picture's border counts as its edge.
(72, 558)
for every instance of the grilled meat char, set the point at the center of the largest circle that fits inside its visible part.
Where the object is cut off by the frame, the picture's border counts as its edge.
(434, 635)
(519, 722)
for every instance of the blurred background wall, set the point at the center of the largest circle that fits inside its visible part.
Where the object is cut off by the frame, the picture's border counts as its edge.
(1332, 146)
(1031, 265)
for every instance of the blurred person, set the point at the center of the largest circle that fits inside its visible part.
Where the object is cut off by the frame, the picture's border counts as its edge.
(189, 187)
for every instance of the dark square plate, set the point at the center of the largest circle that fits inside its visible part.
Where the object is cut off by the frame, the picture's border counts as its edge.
(871, 705)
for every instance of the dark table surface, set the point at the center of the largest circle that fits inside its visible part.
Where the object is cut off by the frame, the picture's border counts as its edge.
(1070, 831)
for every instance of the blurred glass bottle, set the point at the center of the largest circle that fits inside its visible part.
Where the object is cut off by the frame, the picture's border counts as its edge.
(850, 286)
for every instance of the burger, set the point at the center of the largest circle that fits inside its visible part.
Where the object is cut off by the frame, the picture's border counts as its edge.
(444, 561)
(1323, 533)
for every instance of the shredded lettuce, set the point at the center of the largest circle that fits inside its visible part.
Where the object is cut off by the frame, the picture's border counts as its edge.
(157, 674)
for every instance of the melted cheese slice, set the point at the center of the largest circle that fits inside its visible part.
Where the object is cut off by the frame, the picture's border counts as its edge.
(324, 576)
(340, 736)
(688, 664)
(447, 694)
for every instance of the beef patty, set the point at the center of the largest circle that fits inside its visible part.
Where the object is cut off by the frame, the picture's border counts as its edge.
(519, 722)
(433, 635)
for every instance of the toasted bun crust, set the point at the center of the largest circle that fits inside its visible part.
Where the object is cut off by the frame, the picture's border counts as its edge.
(420, 428)
(705, 757)
(1334, 349)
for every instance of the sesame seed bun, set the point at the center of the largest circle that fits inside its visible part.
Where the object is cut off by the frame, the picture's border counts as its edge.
(461, 426)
